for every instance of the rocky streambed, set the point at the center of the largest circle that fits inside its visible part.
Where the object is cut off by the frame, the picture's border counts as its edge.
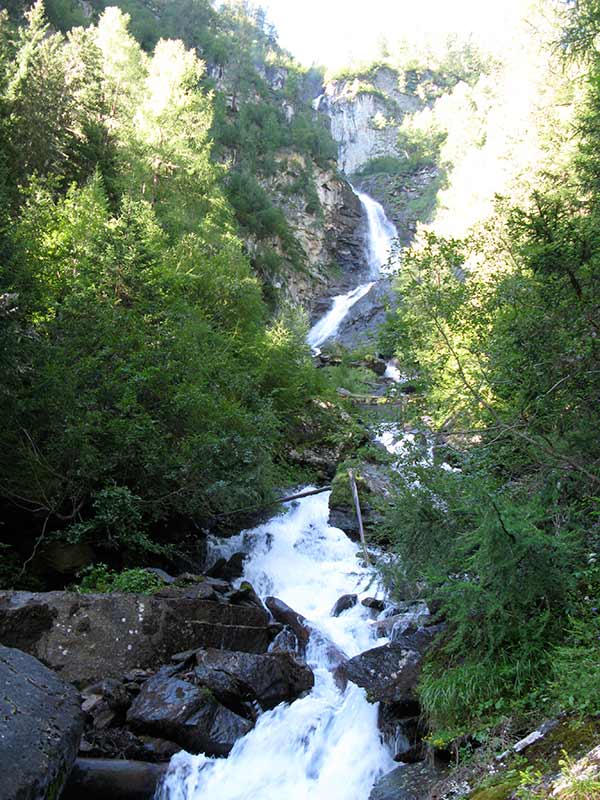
(206, 668)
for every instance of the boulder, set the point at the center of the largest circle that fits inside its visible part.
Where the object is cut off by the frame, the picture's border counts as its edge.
(105, 702)
(190, 715)
(91, 637)
(389, 673)
(373, 603)
(268, 678)
(343, 603)
(410, 782)
(40, 727)
(244, 595)
(405, 617)
(420, 639)
(119, 779)
(286, 641)
(403, 735)
(303, 631)
(229, 569)
(287, 616)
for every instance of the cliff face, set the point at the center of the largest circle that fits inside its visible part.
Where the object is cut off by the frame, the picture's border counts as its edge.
(330, 234)
(366, 114)
(322, 213)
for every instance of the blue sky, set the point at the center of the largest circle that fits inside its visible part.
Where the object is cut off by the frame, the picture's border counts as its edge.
(333, 32)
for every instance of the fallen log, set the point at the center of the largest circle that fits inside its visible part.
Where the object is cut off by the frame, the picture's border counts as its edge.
(119, 779)
(288, 499)
(356, 501)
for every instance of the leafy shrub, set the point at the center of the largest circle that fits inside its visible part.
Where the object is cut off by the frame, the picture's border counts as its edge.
(103, 580)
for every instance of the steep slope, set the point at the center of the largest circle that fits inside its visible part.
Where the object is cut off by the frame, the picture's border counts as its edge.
(297, 215)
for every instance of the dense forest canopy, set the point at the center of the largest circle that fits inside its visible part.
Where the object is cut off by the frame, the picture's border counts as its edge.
(501, 329)
(144, 378)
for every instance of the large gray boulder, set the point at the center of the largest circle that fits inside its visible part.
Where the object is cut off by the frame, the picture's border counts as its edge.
(389, 673)
(91, 637)
(269, 678)
(409, 782)
(343, 603)
(211, 698)
(40, 727)
(186, 713)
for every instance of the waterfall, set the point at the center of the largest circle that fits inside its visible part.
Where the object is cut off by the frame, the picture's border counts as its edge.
(325, 746)
(378, 249)
(381, 233)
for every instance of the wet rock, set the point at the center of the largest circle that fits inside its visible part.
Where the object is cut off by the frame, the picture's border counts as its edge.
(389, 673)
(190, 715)
(90, 637)
(410, 782)
(40, 727)
(245, 595)
(403, 735)
(105, 702)
(228, 570)
(421, 639)
(373, 603)
(373, 363)
(336, 657)
(269, 678)
(345, 602)
(303, 630)
(365, 318)
(345, 520)
(119, 779)
(286, 641)
(408, 616)
(287, 616)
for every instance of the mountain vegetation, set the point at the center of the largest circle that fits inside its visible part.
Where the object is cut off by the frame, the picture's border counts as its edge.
(146, 385)
(500, 519)
(154, 382)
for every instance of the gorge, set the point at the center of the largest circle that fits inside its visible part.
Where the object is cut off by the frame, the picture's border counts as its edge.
(298, 465)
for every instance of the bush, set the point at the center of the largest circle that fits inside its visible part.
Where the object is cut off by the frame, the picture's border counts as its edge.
(100, 579)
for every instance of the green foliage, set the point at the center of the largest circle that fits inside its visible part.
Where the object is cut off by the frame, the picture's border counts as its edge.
(501, 329)
(100, 579)
(575, 681)
(142, 380)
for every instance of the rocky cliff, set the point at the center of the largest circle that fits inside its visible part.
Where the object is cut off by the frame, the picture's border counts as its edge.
(330, 235)
(322, 244)
(366, 112)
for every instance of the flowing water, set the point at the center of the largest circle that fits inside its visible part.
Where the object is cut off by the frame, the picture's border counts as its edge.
(325, 746)
(378, 251)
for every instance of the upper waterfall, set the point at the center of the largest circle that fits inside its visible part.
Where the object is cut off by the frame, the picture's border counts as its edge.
(378, 251)
(381, 233)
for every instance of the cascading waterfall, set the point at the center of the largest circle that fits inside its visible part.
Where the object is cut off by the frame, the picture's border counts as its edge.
(378, 245)
(381, 233)
(325, 746)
